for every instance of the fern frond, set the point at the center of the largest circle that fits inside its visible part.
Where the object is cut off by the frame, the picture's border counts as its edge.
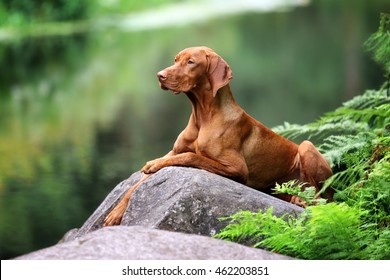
(248, 227)
(320, 131)
(329, 231)
(379, 247)
(375, 117)
(374, 196)
(371, 98)
(379, 42)
(293, 187)
(362, 113)
(335, 147)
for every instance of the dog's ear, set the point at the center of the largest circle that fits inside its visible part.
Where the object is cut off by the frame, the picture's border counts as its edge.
(219, 72)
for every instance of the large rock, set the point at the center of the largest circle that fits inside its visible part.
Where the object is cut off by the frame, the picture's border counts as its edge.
(139, 243)
(184, 200)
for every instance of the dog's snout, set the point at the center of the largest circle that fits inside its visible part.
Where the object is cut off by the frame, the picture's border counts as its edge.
(162, 75)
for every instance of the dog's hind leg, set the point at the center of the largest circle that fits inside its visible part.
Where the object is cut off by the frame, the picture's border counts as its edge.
(315, 169)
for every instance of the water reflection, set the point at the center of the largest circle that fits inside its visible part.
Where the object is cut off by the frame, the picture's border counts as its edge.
(78, 114)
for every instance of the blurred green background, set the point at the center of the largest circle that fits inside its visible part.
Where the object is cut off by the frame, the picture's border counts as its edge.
(80, 105)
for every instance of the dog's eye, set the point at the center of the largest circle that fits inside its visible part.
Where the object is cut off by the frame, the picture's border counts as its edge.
(191, 62)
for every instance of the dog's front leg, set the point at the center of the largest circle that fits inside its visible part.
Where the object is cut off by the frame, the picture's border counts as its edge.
(237, 171)
(116, 214)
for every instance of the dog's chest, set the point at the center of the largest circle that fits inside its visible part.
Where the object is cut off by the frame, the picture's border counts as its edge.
(211, 141)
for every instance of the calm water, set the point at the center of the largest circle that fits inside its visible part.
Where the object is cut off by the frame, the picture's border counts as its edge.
(80, 113)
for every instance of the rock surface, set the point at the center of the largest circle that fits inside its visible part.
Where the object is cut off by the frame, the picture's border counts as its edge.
(172, 202)
(140, 243)
(183, 200)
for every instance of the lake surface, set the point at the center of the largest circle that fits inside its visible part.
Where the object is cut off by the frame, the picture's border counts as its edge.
(80, 113)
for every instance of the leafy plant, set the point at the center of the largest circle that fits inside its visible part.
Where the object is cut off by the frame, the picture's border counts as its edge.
(314, 235)
(379, 42)
(248, 228)
(358, 115)
(293, 187)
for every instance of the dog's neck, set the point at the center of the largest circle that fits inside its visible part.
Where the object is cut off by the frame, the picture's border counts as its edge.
(205, 106)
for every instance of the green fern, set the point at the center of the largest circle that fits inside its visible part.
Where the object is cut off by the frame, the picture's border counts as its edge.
(379, 42)
(293, 187)
(318, 131)
(359, 115)
(330, 231)
(247, 227)
(371, 98)
(336, 146)
(371, 193)
(325, 232)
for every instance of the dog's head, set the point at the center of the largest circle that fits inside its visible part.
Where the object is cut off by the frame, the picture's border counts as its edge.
(197, 68)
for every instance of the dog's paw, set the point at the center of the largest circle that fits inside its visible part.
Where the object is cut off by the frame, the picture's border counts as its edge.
(147, 168)
(115, 216)
(298, 201)
(152, 166)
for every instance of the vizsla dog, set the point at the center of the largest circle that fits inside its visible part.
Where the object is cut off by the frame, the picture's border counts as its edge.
(222, 138)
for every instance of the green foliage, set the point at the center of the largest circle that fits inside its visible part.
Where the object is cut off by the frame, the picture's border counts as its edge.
(248, 227)
(24, 12)
(359, 115)
(356, 141)
(314, 235)
(379, 42)
(324, 232)
(17, 12)
(293, 187)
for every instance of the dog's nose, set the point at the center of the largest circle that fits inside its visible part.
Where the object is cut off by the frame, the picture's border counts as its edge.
(162, 75)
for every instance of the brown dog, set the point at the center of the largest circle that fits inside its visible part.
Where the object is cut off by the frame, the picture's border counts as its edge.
(222, 138)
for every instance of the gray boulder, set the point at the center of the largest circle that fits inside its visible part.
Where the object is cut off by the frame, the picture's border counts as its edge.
(183, 200)
(140, 243)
